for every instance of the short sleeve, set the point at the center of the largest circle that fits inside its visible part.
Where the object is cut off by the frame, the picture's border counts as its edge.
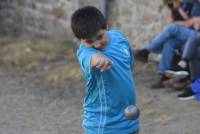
(132, 59)
(84, 56)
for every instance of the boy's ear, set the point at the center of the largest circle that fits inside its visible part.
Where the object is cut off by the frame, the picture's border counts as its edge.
(83, 41)
(86, 43)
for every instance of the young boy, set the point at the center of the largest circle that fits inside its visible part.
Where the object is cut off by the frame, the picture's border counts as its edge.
(106, 61)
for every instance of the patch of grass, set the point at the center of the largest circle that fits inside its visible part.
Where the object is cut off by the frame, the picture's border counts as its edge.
(67, 72)
(29, 54)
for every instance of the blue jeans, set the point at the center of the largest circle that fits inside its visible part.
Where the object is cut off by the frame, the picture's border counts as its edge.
(171, 38)
(192, 54)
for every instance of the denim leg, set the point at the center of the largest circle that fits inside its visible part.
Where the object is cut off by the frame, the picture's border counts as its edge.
(195, 69)
(168, 52)
(191, 48)
(172, 31)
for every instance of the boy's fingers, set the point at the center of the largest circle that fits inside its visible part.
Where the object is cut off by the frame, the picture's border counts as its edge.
(100, 63)
(107, 65)
(110, 65)
(104, 67)
(97, 60)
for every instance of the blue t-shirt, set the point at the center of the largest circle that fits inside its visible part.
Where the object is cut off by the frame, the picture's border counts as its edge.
(110, 92)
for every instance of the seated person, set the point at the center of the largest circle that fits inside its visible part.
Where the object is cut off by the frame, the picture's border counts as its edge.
(179, 9)
(171, 38)
(191, 57)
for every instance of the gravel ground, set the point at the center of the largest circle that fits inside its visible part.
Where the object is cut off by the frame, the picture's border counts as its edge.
(30, 106)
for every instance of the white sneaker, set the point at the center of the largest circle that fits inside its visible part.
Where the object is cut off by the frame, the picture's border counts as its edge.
(176, 74)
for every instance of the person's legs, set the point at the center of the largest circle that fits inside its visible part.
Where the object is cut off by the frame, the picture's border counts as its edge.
(173, 31)
(166, 61)
(195, 69)
(194, 66)
(162, 78)
(191, 48)
(168, 52)
(193, 56)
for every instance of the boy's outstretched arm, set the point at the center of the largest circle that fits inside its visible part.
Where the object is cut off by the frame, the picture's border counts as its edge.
(101, 62)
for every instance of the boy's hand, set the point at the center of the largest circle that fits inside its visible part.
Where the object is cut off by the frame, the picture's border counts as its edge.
(101, 62)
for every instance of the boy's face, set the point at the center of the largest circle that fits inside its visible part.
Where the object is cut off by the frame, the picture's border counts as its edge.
(99, 41)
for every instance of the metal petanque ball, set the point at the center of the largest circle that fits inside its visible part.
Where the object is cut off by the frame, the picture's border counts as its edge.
(132, 112)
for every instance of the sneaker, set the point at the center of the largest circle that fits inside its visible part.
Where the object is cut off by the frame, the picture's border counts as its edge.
(187, 95)
(142, 55)
(176, 74)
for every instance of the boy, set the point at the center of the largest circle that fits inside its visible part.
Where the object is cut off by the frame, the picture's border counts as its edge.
(106, 61)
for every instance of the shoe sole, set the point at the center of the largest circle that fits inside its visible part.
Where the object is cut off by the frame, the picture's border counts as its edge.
(173, 74)
(186, 98)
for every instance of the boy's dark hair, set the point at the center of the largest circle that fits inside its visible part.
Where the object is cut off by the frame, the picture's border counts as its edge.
(87, 21)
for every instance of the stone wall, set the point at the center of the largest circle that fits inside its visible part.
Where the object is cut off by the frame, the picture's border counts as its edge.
(140, 20)
(36, 17)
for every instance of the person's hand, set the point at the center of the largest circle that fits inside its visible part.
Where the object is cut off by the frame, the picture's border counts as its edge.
(187, 24)
(182, 64)
(101, 62)
(196, 23)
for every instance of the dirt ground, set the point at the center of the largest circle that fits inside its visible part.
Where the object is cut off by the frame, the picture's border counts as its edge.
(28, 105)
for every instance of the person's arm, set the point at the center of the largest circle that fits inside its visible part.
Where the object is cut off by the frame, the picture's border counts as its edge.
(169, 18)
(183, 14)
(188, 23)
(101, 62)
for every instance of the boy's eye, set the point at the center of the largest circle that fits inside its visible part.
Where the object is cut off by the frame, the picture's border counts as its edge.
(99, 37)
(96, 38)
